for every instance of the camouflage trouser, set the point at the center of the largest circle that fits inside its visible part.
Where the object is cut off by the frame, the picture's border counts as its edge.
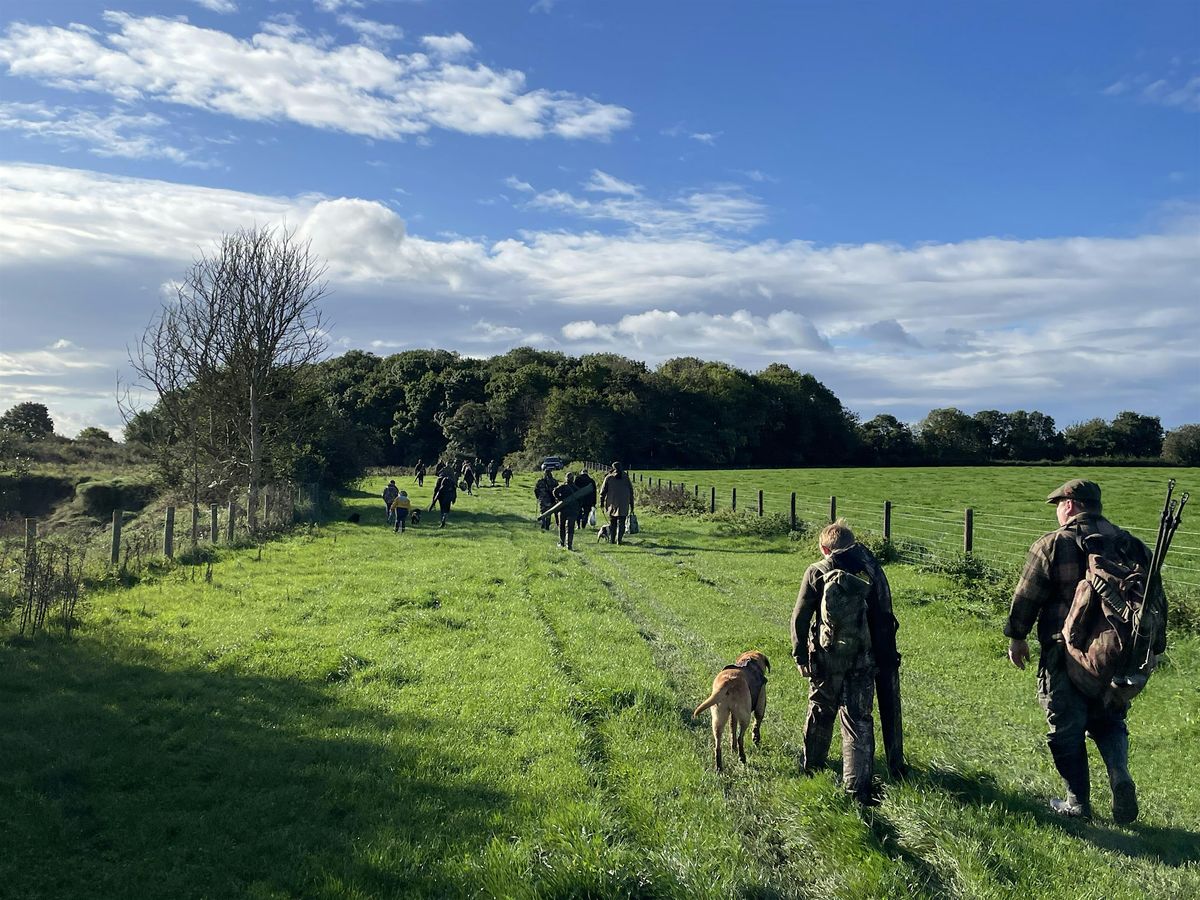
(850, 697)
(1070, 716)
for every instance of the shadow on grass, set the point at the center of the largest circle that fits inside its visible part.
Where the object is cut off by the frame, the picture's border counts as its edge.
(1168, 846)
(136, 777)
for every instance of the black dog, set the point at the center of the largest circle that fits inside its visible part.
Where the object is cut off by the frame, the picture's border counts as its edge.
(414, 518)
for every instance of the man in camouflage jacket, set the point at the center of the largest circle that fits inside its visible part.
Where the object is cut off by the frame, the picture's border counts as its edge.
(1043, 596)
(850, 695)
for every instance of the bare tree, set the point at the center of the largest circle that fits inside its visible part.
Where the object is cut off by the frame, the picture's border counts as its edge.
(223, 355)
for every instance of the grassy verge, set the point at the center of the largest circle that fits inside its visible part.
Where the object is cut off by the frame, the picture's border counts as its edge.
(473, 712)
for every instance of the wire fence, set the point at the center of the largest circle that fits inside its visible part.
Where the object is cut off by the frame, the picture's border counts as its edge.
(922, 534)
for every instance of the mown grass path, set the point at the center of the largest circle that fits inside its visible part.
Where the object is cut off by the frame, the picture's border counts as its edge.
(474, 712)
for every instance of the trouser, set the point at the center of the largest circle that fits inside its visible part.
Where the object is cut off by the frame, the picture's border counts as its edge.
(566, 530)
(616, 529)
(420, 481)
(1071, 716)
(401, 519)
(542, 507)
(444, 506)
(388, 508)
(887, 692)
(584, 513)
(850, 697)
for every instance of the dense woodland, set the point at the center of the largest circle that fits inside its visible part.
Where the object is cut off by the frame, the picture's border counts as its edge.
(359, 410)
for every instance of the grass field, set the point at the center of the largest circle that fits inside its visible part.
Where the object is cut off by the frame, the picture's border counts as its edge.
(473, 712)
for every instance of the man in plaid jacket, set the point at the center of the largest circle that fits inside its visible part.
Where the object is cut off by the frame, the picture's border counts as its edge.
(1043, 596)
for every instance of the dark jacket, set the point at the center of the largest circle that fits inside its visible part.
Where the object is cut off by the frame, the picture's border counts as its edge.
(881, 621)
(565, 494)
(582, 481)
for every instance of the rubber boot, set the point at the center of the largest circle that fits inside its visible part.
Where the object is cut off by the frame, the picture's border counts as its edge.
(1114, 749)
(1073, 767)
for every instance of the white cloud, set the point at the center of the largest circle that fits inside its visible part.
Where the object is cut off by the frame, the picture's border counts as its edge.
(518, 185)
(370, 31)
(218, 6)
(722, 209)
(603, 183)
(671, 333)
(990, 322)
(1177, 89)
(449, 46)
(284, 74)
(706, 137)
(116, 134)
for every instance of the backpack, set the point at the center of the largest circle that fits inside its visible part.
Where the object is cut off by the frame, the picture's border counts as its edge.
(1109, 606)
(843, 634)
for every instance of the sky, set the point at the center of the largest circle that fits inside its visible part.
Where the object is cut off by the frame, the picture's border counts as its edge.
(981, 205)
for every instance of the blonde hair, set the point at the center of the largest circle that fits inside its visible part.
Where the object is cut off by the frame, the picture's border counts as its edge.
(837, 535)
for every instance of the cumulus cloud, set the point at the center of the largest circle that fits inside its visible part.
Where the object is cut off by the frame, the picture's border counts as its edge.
(989, 322)
(671, 333)
(371, 32)
(284, 74)
(115, 134)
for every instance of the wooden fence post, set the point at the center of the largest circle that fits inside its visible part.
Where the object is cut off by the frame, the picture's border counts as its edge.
(230, 516)
(968, 530)
(169, 534)
(833, 509)
(760, 504)
(116, 537)
(195, 524)
(712, 501)
(30, 535)
(793, 510)
(212, 522)
(697, 492)
(887, 521)
(733, 500)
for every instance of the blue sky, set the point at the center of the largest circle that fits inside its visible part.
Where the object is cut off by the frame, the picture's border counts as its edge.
(984, 205)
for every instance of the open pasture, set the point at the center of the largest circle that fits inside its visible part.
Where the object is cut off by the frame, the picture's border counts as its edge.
(929, 504)
(474, 712)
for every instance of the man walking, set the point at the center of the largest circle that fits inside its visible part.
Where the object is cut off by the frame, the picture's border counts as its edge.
(543, 492)
(389, 494)
(1056, 563)
(445, 492)
(569, 514)
(616, 496)
(832, 644)
(588, 502)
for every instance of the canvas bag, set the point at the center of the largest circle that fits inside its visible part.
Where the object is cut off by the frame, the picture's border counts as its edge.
(631, 524)
(592, 517)
(1110, 601)
(843, 635)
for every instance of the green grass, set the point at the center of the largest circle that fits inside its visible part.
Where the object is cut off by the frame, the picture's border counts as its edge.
(472, 712)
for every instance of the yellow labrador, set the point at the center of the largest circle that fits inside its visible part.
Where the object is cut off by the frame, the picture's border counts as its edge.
(738, 691)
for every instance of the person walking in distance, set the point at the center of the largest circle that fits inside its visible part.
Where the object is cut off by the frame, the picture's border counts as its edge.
(506, 474)
(588, 503)
(569, 514)
(445, 492)
(420, 473)
(1056, 563)
(543, 492)
(493, 470)
(616, 496)
(400, 507)
(831, 643)
(389, 494)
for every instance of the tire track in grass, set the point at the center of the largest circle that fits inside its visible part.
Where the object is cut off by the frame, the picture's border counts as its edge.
(761, 802)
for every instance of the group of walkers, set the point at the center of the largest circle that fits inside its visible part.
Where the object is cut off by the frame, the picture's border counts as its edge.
(843, 635)
(572, 503)
(449, 480)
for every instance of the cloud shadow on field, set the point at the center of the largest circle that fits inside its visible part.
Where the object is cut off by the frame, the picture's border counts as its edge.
(140, 777)
(1173, 847)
